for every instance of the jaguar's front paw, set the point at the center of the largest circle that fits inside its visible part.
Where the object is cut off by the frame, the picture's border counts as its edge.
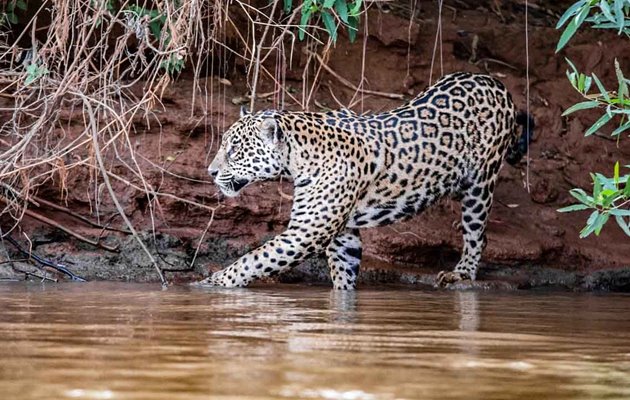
(219, 278)
(209, 281)
(445, 278)
(224, 278)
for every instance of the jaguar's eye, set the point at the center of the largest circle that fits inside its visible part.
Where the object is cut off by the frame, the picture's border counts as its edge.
(231, 150)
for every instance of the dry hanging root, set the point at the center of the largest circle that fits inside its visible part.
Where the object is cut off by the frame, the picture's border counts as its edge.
(38, 202)
(85, 63)
(101, 67)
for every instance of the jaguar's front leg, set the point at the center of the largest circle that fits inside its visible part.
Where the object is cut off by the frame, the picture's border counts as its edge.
(238, 274)
(344, 259)
(319, 212)
(303, 237)
(270, 259)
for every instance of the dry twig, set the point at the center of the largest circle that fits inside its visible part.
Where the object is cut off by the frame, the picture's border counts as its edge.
(350, 85)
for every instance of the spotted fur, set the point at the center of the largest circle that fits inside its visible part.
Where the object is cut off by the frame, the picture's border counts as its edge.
(358, 171)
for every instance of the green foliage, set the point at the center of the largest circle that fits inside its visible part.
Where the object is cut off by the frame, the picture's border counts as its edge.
(175, 62)
(610, 196)
(8, 16)
(34, 72)
(602, 14)
(331, 12)
(156, 19)
(615, 103)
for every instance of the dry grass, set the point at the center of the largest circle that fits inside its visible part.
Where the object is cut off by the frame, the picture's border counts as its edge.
(106, 69)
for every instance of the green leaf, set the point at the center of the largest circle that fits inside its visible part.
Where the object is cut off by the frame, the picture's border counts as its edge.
(598, 124)
(582, 83)
(13, 19)
(306, 17)
(616, 174)
(619, 15)
(341, 6)
(571, 65)
(356, 8)
(21, 5)
(623, 224)
(572, 27)
(590, 224)
(574, 207)
(156, 29)
(609, 197)
(623, 86)
(353, 28)
(331, 26)
(288, 5)
(573, 79)
(601, 88)
(34, 72)
(571, 11)
(581, 17)
(585, 105)
(306, 7)
(620, 212)
(626, 189)
(603, 5)
(329, 3)
(582, 197)
(567, 35)
(597, 187)
(610, 25)
(587, 83)
(601, 221)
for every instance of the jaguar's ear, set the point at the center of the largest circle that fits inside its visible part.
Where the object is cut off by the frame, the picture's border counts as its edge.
(271, 132)
(244, 112)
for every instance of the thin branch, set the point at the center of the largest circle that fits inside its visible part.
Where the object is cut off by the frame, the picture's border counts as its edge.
(105, 176)
(350, 85)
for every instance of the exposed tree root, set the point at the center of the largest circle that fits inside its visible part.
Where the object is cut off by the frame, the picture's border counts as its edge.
(57, 267)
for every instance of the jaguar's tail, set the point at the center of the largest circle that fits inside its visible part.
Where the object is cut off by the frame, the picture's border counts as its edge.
(519, 148)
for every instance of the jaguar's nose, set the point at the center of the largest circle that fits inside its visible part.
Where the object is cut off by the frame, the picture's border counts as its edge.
(213, 171)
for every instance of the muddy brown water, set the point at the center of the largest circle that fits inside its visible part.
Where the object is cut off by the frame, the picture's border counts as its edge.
(130, 341)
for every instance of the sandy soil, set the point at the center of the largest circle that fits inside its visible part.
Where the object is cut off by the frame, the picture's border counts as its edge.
(529, 242)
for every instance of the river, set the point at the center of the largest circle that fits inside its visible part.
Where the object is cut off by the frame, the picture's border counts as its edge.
(137, 341)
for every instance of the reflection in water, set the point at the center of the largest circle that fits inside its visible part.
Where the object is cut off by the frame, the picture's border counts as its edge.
(343, 306)
(468, 311)
(116, 341)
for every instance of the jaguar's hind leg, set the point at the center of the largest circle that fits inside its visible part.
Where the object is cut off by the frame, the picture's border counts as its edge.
(344, 258)
(476, 205)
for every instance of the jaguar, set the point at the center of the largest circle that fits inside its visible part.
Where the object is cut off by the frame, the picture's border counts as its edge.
(353, 171)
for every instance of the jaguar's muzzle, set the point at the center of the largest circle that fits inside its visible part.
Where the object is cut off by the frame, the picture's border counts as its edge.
(231, 187)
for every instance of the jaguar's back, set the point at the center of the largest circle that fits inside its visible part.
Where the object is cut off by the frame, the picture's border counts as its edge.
(450, 137)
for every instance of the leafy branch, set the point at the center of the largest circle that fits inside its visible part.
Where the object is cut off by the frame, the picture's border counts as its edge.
(615, 103)
(602, 14)
(610, 196)
(331, 12)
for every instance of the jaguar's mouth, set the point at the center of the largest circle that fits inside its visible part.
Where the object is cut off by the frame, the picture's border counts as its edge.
(238, 184)
(232, 187)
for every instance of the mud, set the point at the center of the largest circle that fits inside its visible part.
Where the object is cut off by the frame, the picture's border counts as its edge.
(530, 244)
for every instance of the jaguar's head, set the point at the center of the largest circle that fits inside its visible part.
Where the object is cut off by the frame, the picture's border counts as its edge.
(251, 150)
